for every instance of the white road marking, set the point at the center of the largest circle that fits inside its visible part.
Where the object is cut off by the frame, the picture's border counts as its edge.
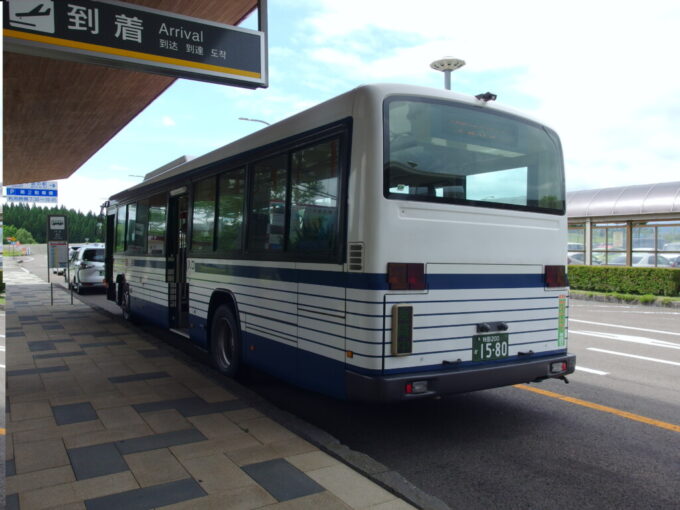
(626, 338)
(645, 358)
(25, 270)
(626, 327)
(591, 370)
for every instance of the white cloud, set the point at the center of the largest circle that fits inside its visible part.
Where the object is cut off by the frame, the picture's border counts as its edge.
(168, 121)
(89, 193)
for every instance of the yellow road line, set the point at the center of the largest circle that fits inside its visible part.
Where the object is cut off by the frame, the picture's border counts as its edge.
(126, 53)
(604, 409)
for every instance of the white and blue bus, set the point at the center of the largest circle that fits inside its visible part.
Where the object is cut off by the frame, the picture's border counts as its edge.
(394, 242)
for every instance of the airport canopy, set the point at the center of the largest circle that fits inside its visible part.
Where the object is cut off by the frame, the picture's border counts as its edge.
(629, 201)
(58, 113)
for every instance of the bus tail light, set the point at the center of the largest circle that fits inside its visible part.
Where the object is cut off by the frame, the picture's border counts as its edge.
(556, 276)
(415, 387)
(556, 368)
(402, 330)
(402, 276)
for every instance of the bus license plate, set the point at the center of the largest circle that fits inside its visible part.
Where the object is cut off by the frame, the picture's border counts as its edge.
(489, 347)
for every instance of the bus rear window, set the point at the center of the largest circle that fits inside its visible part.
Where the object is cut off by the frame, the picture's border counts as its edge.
(438, 151)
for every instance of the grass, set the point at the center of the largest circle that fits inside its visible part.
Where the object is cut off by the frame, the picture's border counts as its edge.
(645, 299)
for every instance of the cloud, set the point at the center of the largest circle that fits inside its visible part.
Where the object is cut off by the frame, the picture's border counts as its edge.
(168, 121)
(87, 194)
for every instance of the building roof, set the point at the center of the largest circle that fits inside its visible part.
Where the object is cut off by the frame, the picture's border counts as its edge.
(642, 199)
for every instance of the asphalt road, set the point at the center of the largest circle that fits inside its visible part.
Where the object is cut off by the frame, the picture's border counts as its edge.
(609, 439)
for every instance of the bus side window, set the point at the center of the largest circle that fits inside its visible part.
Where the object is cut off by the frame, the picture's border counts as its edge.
(314, 201)
(268, 206)
(203, 223)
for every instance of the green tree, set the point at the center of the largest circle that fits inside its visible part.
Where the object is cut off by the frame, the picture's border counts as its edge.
(24, 236)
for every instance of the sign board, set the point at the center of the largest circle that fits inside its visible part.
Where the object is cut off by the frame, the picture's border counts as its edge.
(57, 254)
(43, 192)
(134, 37)
(56, 228)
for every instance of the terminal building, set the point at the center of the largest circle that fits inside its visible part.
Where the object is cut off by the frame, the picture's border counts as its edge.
(625, 226)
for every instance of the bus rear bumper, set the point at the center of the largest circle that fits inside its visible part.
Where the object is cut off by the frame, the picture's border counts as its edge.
(393, 387)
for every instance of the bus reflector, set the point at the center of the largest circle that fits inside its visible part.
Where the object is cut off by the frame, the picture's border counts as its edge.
(402, 276)
(402, 330)
(556, 276)
(415, 387)
(558, 367)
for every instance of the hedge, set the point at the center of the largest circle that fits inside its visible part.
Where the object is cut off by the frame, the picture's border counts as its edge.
(628, 280)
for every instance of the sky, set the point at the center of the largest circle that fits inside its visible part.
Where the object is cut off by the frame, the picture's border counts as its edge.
(602, 73)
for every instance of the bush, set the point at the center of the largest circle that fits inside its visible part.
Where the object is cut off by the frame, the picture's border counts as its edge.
(657, 281)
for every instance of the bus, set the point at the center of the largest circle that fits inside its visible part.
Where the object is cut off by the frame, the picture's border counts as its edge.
(395, 242)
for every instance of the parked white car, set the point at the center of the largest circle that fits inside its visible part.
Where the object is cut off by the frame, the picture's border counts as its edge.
(86, 267)
(642, 260)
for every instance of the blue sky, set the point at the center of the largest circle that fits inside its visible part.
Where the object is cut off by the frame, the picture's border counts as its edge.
(602, 74)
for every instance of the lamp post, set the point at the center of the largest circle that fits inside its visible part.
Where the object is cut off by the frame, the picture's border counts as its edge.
(447, 65)
(255, 120)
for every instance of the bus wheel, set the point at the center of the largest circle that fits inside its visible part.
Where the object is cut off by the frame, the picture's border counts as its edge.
(225, 341)
(125, 302)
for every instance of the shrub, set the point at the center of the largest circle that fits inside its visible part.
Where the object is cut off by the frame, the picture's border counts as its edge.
(628, 280)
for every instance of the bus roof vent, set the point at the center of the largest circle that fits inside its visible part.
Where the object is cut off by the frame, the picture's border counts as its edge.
(356, 257)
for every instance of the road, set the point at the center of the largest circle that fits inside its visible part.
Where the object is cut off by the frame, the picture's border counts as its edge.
(609, 439)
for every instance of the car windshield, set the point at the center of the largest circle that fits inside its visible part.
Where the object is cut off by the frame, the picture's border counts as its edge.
(94, 255)
(439, 151)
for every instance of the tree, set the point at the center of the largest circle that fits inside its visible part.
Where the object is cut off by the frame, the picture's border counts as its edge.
(24, 236)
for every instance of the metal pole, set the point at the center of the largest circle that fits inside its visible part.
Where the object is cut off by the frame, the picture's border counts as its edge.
(447, 79)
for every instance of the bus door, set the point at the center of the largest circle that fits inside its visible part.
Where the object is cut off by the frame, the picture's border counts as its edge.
(176, 269)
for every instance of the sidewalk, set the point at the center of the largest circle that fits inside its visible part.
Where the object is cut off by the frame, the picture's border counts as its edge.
(102, 416)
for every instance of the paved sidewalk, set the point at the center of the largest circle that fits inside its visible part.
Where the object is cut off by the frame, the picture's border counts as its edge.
(100, 416)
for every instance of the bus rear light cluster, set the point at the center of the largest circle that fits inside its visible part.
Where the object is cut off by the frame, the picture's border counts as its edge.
(415, 387)
(558, 367)
(556, 276)
(402, 276)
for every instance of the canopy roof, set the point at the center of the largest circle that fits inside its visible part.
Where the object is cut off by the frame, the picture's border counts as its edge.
(643, 199)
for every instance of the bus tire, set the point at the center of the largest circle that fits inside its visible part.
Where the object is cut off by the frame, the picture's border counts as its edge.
(225, 341)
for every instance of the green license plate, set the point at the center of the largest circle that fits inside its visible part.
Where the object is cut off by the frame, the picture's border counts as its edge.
(489, 347)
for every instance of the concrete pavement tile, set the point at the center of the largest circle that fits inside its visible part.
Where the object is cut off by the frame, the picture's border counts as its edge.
(293, 446)
(133, 388)
(42, 363)
(12, 502)
(149, 497)
(213, 393)
(321, 500)
(169, 389)
(95, 461)
(282, 480)
(155, 467)
(105, 485)
(21, 371)
(106, 436)
(395, 504)
(311, 461)
(54, 431)
(10, 468)
(242, 498)
(166, 421)
(266, 430)
(139, 377)
(157, 441)
(241, 415)
(216, 473)
(30, 410)
(117, 417)
(40, 455)
(48, 497)
(39, 479)
(141, 366)
(252, 454)
(21, 384)
(215, 426)
(74, 413)
(354, 489)
(212, 446)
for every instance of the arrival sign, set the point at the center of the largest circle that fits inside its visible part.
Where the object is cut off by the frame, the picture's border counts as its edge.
(134, 37)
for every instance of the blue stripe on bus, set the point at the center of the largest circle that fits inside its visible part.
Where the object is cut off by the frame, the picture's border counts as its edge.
(157, 264)
(372, 281)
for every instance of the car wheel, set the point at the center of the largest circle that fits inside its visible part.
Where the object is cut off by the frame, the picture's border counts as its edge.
(225, 341)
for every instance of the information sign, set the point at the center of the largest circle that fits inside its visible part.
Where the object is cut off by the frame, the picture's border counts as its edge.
(44, 192)
(135, 37)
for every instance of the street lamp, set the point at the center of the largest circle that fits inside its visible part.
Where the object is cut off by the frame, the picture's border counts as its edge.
(255, 120)
(447, 65)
